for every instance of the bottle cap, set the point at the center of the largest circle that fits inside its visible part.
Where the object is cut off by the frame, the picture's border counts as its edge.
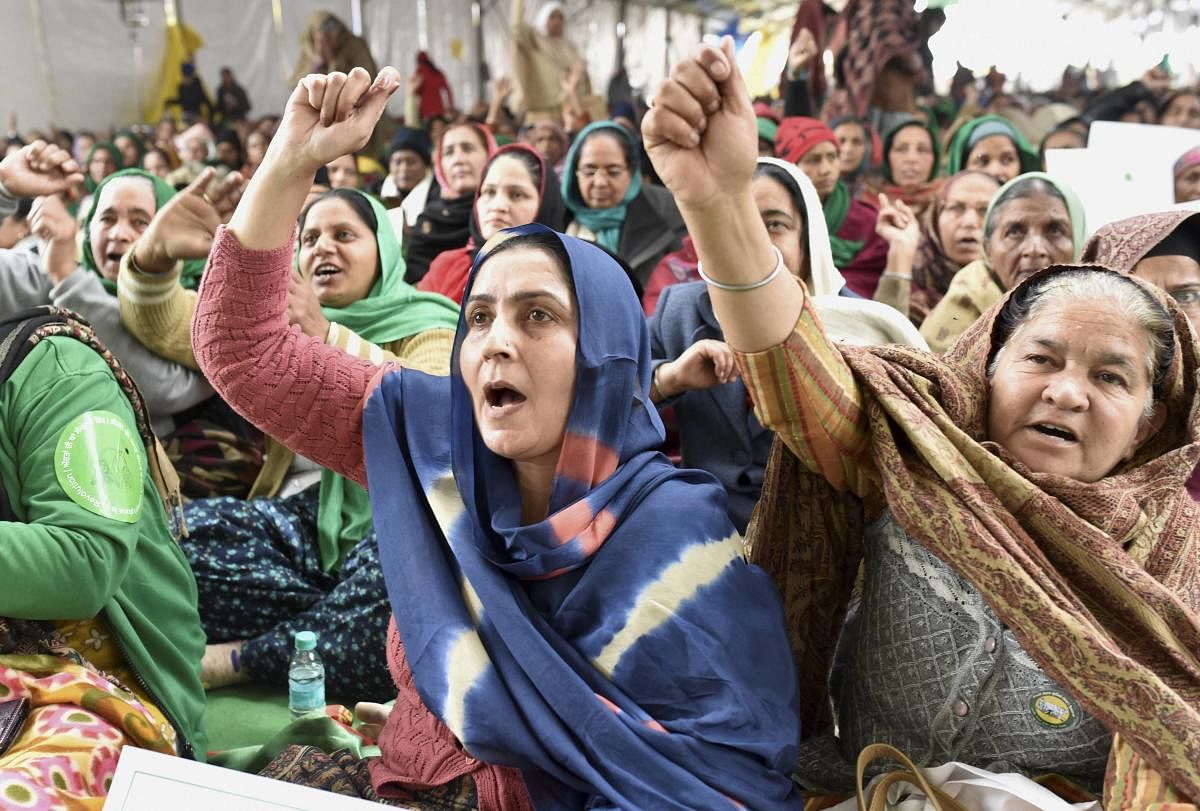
(306, 640)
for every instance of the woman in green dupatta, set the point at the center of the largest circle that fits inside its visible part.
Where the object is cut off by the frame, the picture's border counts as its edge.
(992, 145)
(602, 187)
(307, 560)
(1033, 221)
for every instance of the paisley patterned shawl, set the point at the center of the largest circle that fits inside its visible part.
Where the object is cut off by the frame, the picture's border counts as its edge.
(621, 651)
(1099, 582)
(1121, 245)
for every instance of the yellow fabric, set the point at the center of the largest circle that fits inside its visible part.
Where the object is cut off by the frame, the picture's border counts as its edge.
(157, 311)
(182, 42)
(971, 292)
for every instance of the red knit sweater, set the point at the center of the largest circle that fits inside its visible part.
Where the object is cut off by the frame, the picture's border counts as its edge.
(310, 396)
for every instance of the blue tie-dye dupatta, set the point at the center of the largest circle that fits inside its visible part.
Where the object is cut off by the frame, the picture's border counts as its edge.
(621, 652)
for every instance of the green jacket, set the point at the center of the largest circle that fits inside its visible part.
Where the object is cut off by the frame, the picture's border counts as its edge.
(64, 562)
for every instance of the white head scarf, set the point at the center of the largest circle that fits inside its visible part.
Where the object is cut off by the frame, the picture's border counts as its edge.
(543, 15)
(852, 320)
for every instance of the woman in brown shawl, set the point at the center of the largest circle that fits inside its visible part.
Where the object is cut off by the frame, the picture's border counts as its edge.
(1163, 249)
(1029, 599)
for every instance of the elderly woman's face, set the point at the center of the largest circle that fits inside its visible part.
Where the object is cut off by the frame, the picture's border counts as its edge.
(784, 224)
(995, 155)
(195, 149)
(603, 172)
(338, 253)
(1031, 233)
(853, 141)
(1070, 389)
(123, 211)
(518, 356)
(960, 223)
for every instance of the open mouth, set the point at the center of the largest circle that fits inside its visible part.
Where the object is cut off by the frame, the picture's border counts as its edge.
(501, 395)
(326, 271)
(114, 256)
(1055, 432)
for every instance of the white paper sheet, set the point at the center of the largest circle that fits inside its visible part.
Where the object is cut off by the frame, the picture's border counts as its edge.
(148, 781)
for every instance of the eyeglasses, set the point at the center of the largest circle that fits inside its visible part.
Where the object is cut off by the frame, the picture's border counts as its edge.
(611, 172)
(1186, 295)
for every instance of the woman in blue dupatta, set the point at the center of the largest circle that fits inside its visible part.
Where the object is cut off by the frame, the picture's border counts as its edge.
(573, 610)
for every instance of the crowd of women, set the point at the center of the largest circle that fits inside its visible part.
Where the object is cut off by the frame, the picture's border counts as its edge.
(658, 464)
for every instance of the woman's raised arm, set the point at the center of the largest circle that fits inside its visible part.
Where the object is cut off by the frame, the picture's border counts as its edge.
(295, 388)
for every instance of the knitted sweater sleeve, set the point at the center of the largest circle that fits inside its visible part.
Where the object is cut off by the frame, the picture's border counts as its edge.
(295, 388)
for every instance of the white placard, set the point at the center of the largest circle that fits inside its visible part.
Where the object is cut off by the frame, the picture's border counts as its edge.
(148, 781)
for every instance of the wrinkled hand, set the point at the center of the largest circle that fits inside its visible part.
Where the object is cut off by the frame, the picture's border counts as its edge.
(328, 116)
(802, 51)
(898, 225)
(371, 718)
(39, 169)
(304, 308)
(55, 229)
(703, 365)
(185, 226)
(701, 134)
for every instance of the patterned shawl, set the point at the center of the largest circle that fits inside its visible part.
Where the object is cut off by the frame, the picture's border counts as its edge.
(619, 649)
(1098, 582)
(877, 31)
(1121, 245)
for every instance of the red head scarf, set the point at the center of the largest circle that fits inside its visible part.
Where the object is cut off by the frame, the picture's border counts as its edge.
(797, 135)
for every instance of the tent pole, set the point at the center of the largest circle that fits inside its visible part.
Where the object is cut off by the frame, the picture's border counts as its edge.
(622, 12)
(480, 70)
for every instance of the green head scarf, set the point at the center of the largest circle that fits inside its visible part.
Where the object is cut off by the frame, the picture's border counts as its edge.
(111, 148)
(891, 137)
(605, 223)
(391, 311)
(974, 130)
(193, 269)
(1074, 209)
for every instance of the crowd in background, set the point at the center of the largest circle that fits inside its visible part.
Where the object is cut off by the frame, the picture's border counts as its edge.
(913, 220)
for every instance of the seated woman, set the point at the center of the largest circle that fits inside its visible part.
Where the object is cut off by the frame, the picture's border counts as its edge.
(568, 604)
(693, 371)
(122, 207)
(910, 161)
(1180, 109)
(951, 237)
(612, 206)
(445, 223)
(1029, 599)
(858, 252)
(860, 151)
(518, 188)
(305, 558)
(1033, 222)
(991, 144)
(1163, 249)
(98, 625)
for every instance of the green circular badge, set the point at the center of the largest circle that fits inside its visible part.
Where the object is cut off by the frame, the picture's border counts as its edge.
(99, 465)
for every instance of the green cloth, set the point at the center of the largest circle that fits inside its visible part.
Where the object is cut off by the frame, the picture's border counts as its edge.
(193, 269)
(391, 311)
(891, 136)
(605, 223)
(315, 729)
(72, 563)
(87, 162)
(956, 156)
(835, 208)
(1074, 208)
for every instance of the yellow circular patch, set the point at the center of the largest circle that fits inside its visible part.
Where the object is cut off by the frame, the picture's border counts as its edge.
(1052, 710)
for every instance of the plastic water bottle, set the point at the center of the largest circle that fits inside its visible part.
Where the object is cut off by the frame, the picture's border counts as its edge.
(306, 676)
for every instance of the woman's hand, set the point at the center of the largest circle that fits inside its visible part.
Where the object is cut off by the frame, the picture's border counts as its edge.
(39, 169)
(55, 229)
(701, 134)
(304, 308)
(185, 226)
(328, 116)
(801, 52)
(371, 718)
(898, 226)
(703, 365)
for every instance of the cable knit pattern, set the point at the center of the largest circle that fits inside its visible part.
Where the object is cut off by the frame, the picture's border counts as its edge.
(419, 751)
(295, 388)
